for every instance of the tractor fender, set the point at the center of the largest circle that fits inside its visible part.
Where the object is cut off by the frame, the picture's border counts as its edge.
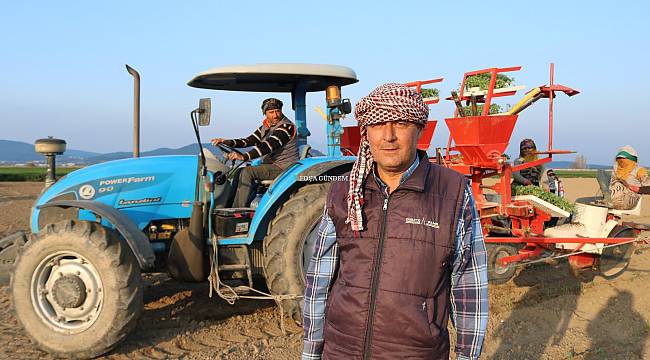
(285, 185)
(135, 238)
(325, 167)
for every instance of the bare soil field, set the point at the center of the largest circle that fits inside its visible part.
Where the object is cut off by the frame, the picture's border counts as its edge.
(544, 313)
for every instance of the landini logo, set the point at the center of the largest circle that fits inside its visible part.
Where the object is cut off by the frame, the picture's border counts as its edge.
(429, 223)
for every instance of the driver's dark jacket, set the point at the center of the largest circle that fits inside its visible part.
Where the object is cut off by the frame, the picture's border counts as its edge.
(274, 144)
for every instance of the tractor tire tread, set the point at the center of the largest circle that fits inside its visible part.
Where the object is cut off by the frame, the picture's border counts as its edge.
(130, 294)
(276, 262)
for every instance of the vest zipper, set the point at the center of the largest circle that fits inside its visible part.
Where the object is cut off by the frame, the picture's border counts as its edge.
(374, 282)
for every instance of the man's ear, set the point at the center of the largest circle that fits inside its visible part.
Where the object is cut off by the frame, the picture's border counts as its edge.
(420, 130)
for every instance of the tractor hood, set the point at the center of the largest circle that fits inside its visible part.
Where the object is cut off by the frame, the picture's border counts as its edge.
(146, 188)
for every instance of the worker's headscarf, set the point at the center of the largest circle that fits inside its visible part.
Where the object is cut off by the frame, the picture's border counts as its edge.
(626, 160)
(388, 102)
(628, 152)
(525, 143)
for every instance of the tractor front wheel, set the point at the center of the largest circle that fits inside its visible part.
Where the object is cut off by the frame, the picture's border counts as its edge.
(76, 289)
(290, 243)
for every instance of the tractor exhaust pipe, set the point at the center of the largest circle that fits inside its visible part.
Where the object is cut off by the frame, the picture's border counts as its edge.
(136, 110)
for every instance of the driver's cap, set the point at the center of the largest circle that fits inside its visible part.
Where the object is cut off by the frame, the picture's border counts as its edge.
(271, 104)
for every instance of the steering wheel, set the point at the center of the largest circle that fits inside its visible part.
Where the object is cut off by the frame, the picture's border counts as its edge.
(225, 149)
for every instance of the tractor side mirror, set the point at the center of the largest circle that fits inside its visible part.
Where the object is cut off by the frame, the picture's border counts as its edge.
(204, 111)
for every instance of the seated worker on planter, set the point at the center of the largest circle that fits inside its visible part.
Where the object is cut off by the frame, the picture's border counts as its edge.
(274, 141)
(629, 181)
(535, 175)
(532, 175)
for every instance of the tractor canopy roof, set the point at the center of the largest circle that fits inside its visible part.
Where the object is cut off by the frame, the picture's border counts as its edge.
(274, 77)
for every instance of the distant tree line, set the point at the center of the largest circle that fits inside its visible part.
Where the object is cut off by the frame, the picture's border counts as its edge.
(579, 163)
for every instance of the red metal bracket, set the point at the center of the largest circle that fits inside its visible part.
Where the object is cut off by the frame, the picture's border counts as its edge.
(529, 252)
(418, 87)
(545, 240)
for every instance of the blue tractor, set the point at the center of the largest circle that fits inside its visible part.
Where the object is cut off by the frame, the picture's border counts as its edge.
(76, 280)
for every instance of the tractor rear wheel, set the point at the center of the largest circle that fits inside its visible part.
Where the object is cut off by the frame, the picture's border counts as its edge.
(498, 274)
(76, 289)
(290, 242)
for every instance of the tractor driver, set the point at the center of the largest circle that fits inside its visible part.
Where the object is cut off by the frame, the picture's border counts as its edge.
(274, 141)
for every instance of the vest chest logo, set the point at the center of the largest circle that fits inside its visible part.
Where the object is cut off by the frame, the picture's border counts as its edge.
(422, 221)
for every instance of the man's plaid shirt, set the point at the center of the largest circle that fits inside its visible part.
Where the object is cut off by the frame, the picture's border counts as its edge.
(469, 294)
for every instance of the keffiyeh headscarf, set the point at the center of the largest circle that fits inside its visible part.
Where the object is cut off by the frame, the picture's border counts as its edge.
(388, 102)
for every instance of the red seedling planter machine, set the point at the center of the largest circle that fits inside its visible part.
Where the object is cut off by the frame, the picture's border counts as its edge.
(520, 230)
(517, 229)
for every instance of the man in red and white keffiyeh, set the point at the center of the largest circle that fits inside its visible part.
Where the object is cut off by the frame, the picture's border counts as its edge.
(372, 279)
(388, 109)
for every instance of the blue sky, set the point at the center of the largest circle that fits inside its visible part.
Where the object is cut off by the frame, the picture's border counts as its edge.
(62, 64)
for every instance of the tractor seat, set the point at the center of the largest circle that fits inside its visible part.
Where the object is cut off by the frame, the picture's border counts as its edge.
(604, 177)
(303, 151)
(635, 211)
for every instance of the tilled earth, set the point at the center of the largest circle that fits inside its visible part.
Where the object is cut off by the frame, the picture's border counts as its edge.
(542, 314)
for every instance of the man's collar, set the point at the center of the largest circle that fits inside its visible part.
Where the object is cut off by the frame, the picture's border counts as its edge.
(411, 169)
(267, 123)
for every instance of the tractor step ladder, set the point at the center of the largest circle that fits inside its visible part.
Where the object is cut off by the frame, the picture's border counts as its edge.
(246, 266)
